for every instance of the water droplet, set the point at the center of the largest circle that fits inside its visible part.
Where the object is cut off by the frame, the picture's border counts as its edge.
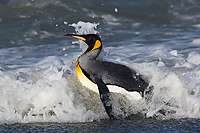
(65, 22)
(116, 10)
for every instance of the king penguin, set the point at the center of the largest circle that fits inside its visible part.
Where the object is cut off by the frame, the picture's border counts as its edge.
(104, 77)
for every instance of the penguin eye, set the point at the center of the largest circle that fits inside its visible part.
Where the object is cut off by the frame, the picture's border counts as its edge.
(91, 40)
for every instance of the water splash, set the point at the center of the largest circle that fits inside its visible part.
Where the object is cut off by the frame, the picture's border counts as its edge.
(47, 90)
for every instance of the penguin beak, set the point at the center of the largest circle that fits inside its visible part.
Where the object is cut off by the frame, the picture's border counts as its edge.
(77, 36)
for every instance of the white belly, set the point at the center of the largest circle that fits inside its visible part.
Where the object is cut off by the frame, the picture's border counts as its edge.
(112, 88)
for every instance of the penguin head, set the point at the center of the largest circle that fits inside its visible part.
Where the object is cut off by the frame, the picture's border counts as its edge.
(92, 40)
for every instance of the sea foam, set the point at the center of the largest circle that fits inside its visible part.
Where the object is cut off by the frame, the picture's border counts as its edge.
(47, 90)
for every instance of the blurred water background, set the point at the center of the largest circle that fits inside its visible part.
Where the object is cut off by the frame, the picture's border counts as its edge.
(158, 39)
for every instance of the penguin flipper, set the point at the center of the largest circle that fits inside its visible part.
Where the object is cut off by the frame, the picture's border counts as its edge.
(105, 98)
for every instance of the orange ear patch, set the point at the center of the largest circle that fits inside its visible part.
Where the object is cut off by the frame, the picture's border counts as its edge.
(96, 45)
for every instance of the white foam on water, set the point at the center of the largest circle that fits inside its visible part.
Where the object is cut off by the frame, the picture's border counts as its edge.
(84, 28)
(196, 41)
(176, 92)
(45, 92)
(194, 57)
(111, 20)
(171, 97)
(41, 93)
(48, 91)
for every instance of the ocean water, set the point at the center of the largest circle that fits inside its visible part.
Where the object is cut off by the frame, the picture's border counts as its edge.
(39, 90)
